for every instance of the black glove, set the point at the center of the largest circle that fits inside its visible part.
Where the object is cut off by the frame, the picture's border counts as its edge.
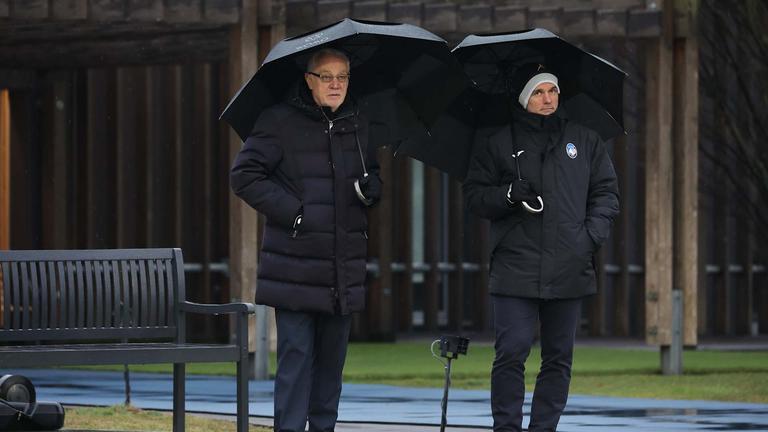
(368, 189)
(520, 190)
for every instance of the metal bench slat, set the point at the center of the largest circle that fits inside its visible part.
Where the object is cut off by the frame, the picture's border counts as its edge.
(135, 305)
(143, 298)
(43, 294)
(172, 294)
(105, 354)
(161, 318)
(98, 318)
(152, 276)
(7, 294)
(25, 288)
(53, 294)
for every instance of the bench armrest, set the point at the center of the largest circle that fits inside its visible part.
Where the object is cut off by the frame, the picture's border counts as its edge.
(217, 309)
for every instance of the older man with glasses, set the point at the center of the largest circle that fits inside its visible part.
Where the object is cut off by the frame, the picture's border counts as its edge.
(308, 167)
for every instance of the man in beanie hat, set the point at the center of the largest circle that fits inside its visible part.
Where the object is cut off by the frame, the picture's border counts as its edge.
(549, 188)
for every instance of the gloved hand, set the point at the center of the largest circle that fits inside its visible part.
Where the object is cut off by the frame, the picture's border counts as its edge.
(368, 189)
(520, 190)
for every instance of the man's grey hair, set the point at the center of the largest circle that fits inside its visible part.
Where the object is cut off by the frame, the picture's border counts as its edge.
(325, 52)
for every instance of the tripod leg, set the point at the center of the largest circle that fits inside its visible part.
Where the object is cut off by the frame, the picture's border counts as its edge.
(444, 419)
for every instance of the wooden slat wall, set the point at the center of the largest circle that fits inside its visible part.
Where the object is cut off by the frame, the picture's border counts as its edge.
(121, 162)
(177, 11)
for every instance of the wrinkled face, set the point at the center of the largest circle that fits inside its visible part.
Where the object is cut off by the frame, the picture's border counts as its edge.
(330, 94)
(544, 99)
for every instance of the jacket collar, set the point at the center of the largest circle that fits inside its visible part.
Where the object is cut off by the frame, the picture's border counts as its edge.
(301, 99)
(537, 122)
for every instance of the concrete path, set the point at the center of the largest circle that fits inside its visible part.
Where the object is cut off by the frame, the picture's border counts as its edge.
(382, 408)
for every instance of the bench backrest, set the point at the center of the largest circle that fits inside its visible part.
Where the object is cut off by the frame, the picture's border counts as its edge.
(90, 294)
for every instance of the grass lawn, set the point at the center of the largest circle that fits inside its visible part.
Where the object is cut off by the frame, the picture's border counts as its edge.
(122, 418)
(710, 375)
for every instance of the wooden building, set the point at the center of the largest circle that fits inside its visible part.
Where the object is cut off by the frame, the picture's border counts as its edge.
(109, 138)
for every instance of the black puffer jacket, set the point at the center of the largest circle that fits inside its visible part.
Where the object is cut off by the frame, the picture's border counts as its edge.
(292, 163)
(549, 254)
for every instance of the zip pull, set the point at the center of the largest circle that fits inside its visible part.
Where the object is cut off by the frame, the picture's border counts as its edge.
(330, 125)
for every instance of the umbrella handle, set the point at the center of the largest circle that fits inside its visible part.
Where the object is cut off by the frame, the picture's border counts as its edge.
(534, 210)
(359, 192)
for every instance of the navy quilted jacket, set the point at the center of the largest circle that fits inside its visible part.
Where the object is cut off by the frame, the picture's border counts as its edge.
(300, 159)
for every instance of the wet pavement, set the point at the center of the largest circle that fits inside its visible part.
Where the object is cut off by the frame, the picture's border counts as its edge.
(382, 408)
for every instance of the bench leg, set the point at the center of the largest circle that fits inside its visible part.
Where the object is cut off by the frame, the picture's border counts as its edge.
(179, 396)
(242, 376)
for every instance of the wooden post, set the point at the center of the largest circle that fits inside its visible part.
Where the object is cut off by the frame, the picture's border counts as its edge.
(402, 182)
(380, 306)
(456, 257)
(5, 171)
(686, 178)
(432, 248)
(658, 186)
(243, 220)
(5, 181)
(621, 232)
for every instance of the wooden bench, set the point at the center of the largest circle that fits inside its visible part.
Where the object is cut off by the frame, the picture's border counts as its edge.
(98, 307)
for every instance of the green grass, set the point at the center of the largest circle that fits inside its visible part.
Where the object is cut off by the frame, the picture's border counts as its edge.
(710, 375)
(121, 418)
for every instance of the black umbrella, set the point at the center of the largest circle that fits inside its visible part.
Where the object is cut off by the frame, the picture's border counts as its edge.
(402, 76)
(591, 93)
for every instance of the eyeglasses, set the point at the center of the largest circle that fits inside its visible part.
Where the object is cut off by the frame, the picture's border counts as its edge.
(342, 79)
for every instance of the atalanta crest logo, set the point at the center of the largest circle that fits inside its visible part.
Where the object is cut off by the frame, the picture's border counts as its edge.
(570, 150)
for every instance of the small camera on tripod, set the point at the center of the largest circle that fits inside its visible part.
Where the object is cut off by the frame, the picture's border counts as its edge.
(452, 346)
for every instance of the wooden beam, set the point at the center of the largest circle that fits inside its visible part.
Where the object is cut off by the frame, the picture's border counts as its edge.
(578, 22)
(145, 10)
(204, 45)
(375, 10)
(510, 18)
(456, 256)
(129, 127)
(332, 11)
(409, 13)
(5, 170)
(440, 17)
(59, 108)
(69, 9)
(611, 22)
(243, 220)
(29, 9)
(106, 10)
(403, 287)
(545, 17)
(183, 11)
(686, 178)
(300, 16)
(475, 18)
(621, 232)
(431, 248)
(223, 11)
(381, 325)
(644, 23)
(659, 190)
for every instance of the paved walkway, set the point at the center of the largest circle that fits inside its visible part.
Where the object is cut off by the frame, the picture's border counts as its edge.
(382, 408)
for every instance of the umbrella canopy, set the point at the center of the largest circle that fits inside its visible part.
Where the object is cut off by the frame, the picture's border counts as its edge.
(591, 87)
(402, 76)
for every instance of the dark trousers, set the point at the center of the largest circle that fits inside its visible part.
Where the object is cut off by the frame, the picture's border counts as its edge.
(311, 349)
(515, 321)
